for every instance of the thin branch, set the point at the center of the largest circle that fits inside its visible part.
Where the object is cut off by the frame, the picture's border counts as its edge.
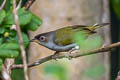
(73, 55)
(19, 5)
(23, 53)
(3, 4)
(28, 4)
(5, 74)
(118, 76)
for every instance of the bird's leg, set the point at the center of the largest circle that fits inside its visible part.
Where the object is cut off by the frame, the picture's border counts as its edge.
(70, 51)
(55, 55)
(73, 49)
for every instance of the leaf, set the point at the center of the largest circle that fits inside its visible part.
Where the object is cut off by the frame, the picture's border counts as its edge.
(34, 24)
(1, 62)
(95, 71)
(92, 42)
(24, 17)
(25, 39)
(12, 33)
(116, 7)
(56, 70)
(2, 15)
(5, 53)
(9, 20)
(1, 40)
(2, 30)
(17, 73)
(13, 46)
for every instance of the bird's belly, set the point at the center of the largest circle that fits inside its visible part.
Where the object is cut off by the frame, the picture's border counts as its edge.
(62, 48)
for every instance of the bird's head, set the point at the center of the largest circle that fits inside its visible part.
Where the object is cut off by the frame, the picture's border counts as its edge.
(44, 39)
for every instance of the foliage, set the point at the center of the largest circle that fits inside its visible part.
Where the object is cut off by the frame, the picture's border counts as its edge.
(95, 71)
(9, 46)
(56, 70)
(116, 7)
(86, 44)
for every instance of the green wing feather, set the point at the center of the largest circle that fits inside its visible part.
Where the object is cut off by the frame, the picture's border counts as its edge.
(64, 36)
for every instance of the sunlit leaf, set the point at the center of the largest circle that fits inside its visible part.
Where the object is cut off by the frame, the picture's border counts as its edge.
(34, 24)
(55, 70)
(92, 42)
(2, 15)
(13, 46)
(24, 17)
(5, 53)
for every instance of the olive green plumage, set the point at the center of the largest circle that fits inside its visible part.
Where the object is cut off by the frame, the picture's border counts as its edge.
(64, 39)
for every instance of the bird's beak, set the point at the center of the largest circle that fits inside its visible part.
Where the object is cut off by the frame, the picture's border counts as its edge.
(34, 40)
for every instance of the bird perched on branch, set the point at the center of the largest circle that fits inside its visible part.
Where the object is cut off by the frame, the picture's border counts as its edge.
(67, 38)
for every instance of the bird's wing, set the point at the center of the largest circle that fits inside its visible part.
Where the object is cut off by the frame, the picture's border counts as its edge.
(64, 35)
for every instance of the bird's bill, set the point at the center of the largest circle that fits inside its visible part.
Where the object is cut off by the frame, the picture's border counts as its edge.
(34, 40)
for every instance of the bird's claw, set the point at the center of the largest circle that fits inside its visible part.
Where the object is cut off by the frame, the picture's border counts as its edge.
(68, 56)
(55, 56)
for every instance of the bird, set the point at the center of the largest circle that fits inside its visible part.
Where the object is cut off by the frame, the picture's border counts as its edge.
(65, 39)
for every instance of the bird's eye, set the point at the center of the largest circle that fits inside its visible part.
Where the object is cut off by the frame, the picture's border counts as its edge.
(42, 38)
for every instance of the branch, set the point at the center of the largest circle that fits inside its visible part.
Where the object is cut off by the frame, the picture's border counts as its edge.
(5, 74)
(23, 53)
(28, 4)
(118, 76)
(3, 4)
(73, 55)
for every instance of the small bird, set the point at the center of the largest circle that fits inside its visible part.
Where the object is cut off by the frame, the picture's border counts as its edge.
(63, 39)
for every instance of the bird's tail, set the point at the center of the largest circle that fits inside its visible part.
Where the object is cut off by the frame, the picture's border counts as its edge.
(96, 26)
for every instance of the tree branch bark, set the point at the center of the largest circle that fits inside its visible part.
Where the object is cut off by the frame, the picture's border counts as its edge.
(3, 4)
(73, 55)
(23, 53)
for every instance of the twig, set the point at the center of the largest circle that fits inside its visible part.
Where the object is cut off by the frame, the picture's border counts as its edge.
(73, 55)
(3, 4)
(5, 74)
(23, 53)
(19, 5)
(28, 4)
(118, 76)
(7, 67)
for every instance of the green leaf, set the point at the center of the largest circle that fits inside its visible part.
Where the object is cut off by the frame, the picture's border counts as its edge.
(12, 33)
(56, 70)
(92, 42)
(1, 62)
(116, 7)
(17, 73)
(25, 39)
(2, 30)
(1, 40)
(34, 24)
(95, 71)
(24, 17)
(9, 20)
(2, 15)
(13, 46)
(5, 53)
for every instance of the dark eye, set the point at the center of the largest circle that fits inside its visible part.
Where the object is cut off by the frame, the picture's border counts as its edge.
(42, 38)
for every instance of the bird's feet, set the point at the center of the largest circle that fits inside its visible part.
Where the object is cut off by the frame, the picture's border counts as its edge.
(73, 49)
(55, 55)
(70, 51)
